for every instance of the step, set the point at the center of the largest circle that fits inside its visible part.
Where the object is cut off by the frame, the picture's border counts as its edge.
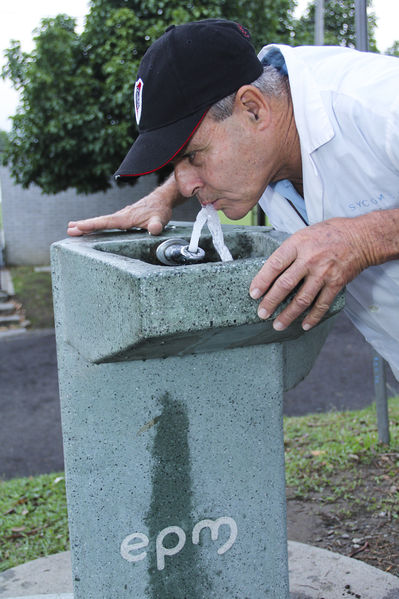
(4, 297)
(6, 308)
(9, 320)
(11, 333)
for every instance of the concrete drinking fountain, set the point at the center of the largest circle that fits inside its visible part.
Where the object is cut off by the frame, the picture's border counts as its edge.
(171, 395)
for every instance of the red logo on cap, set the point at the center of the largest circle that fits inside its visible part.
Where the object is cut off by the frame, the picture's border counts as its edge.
(244, 31)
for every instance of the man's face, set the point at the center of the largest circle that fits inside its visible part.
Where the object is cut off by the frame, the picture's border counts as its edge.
(222, 166)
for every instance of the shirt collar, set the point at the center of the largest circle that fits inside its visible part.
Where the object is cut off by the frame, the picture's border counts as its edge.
(311, 118)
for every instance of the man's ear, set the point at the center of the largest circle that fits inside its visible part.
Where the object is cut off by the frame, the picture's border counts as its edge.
(251, 101)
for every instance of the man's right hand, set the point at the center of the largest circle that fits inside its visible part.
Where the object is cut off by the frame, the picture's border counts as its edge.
(153, 212)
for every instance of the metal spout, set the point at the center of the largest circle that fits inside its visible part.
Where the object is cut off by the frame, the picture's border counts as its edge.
(175, 252)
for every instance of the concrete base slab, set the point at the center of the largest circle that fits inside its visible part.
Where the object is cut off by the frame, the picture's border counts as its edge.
(47, 576)
(320, 574)
(314, 574)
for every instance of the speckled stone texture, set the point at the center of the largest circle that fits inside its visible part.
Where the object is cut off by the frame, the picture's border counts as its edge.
(171, 395)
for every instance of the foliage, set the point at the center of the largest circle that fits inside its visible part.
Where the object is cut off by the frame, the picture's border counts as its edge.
(394, 49)
(54, 137)
(269, 21)
(339, 25)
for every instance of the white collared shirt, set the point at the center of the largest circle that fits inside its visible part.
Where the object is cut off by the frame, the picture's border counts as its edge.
(346, 108)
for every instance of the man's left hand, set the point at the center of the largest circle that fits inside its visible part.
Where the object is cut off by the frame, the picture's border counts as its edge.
(323, 257)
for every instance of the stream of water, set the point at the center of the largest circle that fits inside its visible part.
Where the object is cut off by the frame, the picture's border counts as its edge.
(209, 215)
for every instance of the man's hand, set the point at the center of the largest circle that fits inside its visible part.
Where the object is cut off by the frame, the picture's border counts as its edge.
(152, 212)
(139, 214)
(323, 257)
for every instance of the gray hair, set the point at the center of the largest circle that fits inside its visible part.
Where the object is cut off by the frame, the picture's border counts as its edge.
(270, 83)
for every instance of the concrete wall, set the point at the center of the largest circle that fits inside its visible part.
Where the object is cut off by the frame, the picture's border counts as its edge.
(32, 221)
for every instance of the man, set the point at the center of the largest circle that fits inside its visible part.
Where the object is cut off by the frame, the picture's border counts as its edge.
(311, 133)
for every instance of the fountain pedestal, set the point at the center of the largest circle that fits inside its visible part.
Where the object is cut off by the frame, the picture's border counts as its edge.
(171, 393)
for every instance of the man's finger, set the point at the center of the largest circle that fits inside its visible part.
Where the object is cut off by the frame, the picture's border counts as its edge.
(80, 227)
(301, 301)
(155, 225)
(272, 268)
(308, 294)
(73, 230)
(321, 306)
(281, 288)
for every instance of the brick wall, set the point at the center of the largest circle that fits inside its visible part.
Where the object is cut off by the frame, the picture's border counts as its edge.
(32, 221)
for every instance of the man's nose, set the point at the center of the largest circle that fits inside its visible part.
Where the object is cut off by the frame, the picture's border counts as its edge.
(187, 179)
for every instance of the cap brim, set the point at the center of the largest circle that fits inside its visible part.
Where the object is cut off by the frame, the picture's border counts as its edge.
(154, 149)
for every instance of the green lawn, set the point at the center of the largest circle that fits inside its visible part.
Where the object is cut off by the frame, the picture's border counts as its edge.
(321, 446)
(33, 292)
(33, 519)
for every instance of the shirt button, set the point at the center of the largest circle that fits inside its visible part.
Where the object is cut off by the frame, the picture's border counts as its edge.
(374, 308)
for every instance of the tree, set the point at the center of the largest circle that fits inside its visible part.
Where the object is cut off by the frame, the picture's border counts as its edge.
(394, 49)
(269, 21)
(53, 139)
(339, 25)
(74, 123)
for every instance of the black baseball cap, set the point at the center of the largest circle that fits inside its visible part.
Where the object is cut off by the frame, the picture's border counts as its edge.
(182, 74)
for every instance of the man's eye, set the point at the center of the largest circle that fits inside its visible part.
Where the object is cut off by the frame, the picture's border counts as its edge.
(191, 157)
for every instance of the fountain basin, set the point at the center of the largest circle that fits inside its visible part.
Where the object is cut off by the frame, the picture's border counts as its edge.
(183, 309)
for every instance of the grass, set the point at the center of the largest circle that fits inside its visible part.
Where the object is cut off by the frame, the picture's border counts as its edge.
(33, 292)
(319, 448)
(326, 454)
(33, 519)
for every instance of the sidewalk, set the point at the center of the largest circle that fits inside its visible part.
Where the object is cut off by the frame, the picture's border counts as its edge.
(314, 574)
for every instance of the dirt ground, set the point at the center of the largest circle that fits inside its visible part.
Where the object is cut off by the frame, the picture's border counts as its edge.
(350, 525)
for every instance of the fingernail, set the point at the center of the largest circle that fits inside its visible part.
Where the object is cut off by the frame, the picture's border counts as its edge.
(255, 294)
(278, 326)
(262, 313)
(306, 326)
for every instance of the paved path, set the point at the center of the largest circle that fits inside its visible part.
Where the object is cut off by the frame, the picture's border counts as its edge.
(30, 430)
